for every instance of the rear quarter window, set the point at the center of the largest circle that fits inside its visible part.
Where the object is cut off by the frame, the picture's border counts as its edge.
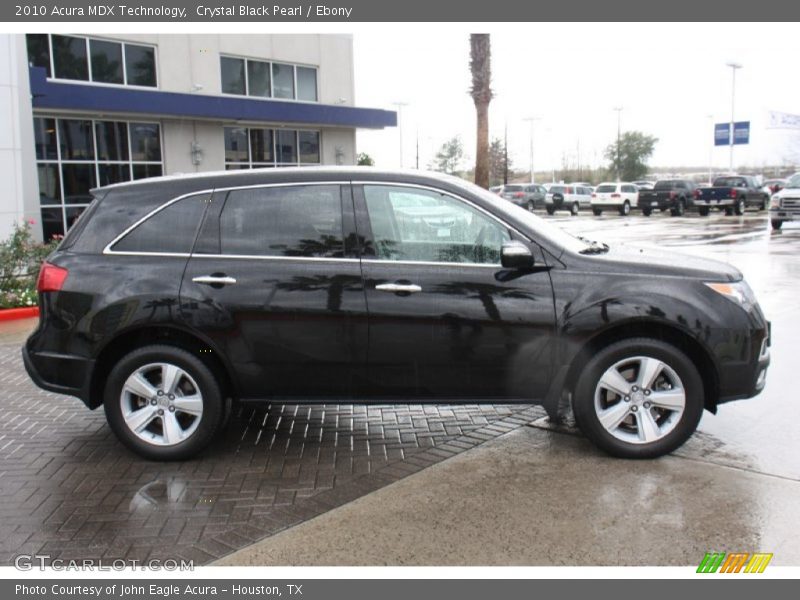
(171, 230)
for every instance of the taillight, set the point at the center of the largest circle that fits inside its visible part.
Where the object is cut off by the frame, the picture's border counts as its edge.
(51, 278)
(518, 195)
(594, 195)
(733, 192)
(696, 193)
(672, 195)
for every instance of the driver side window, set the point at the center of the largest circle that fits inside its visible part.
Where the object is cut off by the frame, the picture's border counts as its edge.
(410, 224)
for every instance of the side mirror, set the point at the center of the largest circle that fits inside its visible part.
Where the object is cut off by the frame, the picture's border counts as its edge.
(516, 255)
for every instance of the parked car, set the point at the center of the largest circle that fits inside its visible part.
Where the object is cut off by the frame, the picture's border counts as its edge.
(644, 185)
(173, 297)
(674, 195)
(772, 186)
(496, 189)
(567, 197)
(785, 204)
(731, 193)
(614, 196)
(527, 195)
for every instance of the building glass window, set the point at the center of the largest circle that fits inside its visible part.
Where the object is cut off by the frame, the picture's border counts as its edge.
(256, 147)
(39, 51)
(75, 155)
(140, 65)
(262, 79)
(95, 60)
(106, 61)
(282, 81)
(233, 81)
(69, 57)
(306, 84)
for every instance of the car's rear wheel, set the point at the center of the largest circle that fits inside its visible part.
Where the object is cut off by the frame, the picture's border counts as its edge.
(550, 210)
(638, 398)
(702, 211)
(740, 207)
(625, 209)
(647, 212)
(597, 212)
(776, 224)
(574, 209)
(163, 403)
(679, 210)
(531, 205)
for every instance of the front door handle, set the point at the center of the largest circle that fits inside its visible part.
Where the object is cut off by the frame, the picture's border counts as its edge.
(214, 280)
(398, 288)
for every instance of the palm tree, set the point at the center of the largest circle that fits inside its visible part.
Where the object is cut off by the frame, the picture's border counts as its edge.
(481, 92)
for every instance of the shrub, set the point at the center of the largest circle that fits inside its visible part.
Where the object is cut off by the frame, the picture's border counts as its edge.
(20, 259)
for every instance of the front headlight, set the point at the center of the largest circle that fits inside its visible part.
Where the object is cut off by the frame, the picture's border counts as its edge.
(738, 292)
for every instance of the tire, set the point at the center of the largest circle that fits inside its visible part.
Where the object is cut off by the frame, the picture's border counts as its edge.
(625, 209)
(763, 205)
(679, 210)
(646, 212)
(142, 372)
(531, 205)
(702, 211)
(740, 207)
(550, 210)
(776, 224)
(668, 428)
(597, 212)
(574, 209)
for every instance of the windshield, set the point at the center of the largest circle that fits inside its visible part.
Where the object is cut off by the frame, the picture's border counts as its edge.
(794, 181)
(667, 184)
(538, 226)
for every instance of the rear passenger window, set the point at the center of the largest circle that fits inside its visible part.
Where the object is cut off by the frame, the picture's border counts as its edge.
(170, 230)
(283, 221)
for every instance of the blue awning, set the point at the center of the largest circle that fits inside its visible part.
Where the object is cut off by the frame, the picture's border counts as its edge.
(56, 95)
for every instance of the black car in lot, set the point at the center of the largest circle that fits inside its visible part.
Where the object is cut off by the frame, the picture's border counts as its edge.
(675, 195)
(172, 297)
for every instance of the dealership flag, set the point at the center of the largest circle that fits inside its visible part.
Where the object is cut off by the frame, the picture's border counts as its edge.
(782, 120)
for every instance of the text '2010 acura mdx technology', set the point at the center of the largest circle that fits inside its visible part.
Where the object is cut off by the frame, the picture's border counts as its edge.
(172, 297)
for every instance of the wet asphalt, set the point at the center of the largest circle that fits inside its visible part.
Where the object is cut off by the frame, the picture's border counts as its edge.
(539, 497)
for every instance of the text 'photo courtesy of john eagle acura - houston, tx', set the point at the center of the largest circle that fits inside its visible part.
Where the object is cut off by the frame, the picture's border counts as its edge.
(172, 298)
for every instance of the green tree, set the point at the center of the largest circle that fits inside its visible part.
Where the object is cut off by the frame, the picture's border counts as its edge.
(497, 160)
(629, 157)
(480, 65)
(364, 160)
(449, 157)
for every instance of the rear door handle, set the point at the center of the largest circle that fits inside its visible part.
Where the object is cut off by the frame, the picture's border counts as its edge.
(394, 288)
(214, 280)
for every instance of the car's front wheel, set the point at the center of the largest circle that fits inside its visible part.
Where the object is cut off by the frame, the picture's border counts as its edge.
(597, 212)
(638, 398)
(776, 224)
(163, 403)
(625, 209)
(740, 207)
(702, 211)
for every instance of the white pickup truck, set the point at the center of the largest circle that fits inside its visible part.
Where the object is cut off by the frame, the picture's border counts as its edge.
(785, 204)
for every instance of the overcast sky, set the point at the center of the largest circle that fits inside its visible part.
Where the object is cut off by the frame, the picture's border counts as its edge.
(671, 80)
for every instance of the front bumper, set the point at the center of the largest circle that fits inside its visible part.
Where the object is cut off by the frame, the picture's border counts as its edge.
(739, 381)
(784, 214)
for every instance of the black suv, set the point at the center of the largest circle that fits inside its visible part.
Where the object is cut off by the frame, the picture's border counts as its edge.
(172, 297)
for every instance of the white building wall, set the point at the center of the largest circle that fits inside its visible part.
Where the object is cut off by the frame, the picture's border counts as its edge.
(17, 159)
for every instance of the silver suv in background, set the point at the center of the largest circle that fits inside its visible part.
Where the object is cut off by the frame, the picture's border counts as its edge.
(785, 204)
(569, 197)
(526, 195)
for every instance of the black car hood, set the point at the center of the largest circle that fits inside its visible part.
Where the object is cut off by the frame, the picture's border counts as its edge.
(651, 261)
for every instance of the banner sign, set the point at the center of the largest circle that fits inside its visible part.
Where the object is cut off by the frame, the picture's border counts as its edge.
(782, 120)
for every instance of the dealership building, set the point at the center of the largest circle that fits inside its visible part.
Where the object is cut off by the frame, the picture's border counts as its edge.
(82, 111)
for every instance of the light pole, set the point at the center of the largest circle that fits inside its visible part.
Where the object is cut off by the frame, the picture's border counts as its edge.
(710, 150)
(532, 120)
(400, 106)
(618, 110)
(734, 67)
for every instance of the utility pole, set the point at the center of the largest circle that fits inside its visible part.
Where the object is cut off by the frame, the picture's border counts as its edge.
(417, 148)
(619, 138)
(734, 67)
(400, 106)
(711, 150)
(505, 154)
(532, 120)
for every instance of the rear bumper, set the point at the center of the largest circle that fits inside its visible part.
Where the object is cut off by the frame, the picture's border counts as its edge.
(713, 203)
(60, 373)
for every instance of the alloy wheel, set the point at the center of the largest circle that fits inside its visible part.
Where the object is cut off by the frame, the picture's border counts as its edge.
(639, 400)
